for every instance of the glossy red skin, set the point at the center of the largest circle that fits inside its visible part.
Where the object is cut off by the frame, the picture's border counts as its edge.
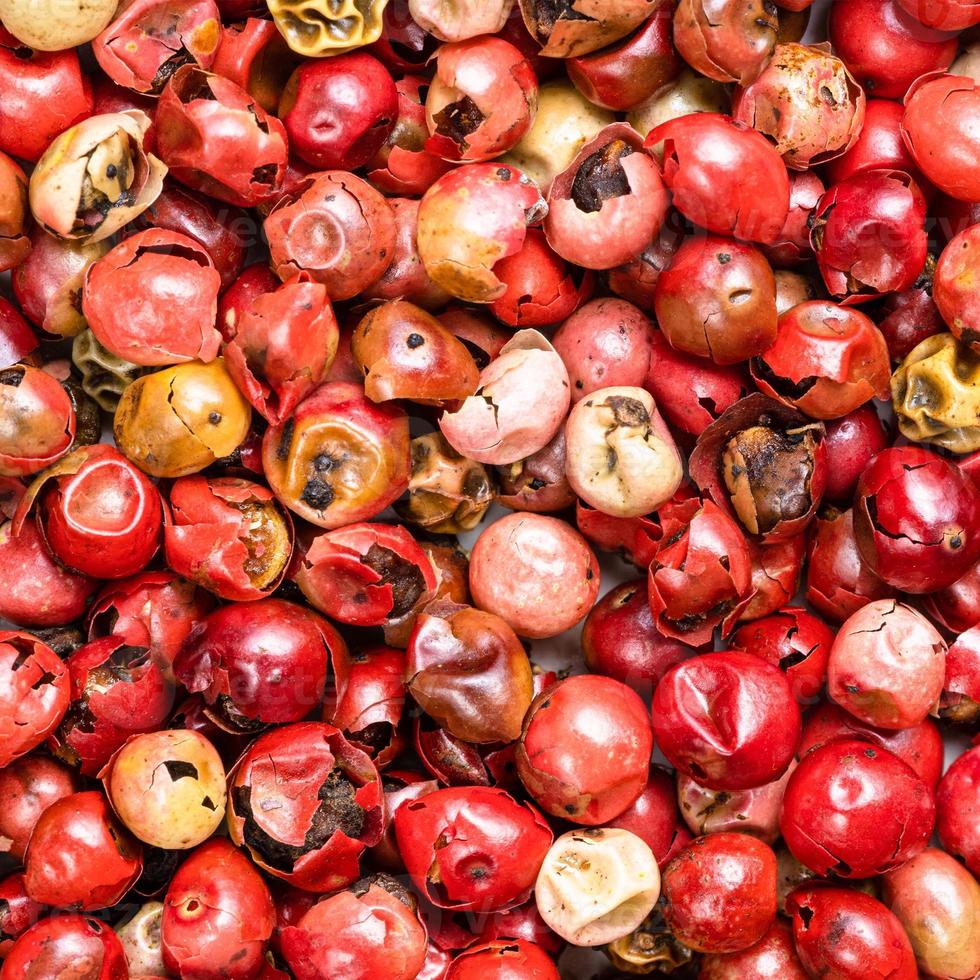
(727, 42)
(436, 964)
(501, 764)
(916, 519)
(542, 289)
(35, 590)
(623, 223)
(776, 572)
(472, 848)
(205, 535)
(404, 46)
(156, 610)
(296, 178)
(940, 129)
(403, 165)
(846, 934)
(496, 77)
(869, 231)
(960, 700)
(28, 786)
(503, 960)
(623, 74)
(805, 189)
(213, 136)
(267, 660)
(694, 305)
(605, 343)
(954, 300)
(850, 443)
(773, 957)
(218, 916)
(728, 720)
(119, 692)
(634, 539)
(691, 391)
(909, 318)
(570, 732)
(838, 581)
(99, 515)
(970, 465)
(654, 817)
(879, 146)
(153, 299)
(523, 922)
(855, 810)
(110, 97)
(34, 695)
(794, 640)
(282, 772)
(920, 747)
(700, 577)
(368, 694)
(450, 931)
(291, 905)
(17, 339)
(137, 49)
(43, 94)
(337, 228)
(40, 281)
(720, 892)
(339, 111)
(223, 231)
(18, 911)
(636, 280)
(446, 758)
(255, 56)
(80, 856)
(400, 786)
(885, 49)
(838, 346)
(358, 937)
(45, 426)
(335, 578)
(254, 282)
(724, 176)
(57, 947)
(406, 278)
(958, 809)
(620, 639)
(957, 607)
(945, 15)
